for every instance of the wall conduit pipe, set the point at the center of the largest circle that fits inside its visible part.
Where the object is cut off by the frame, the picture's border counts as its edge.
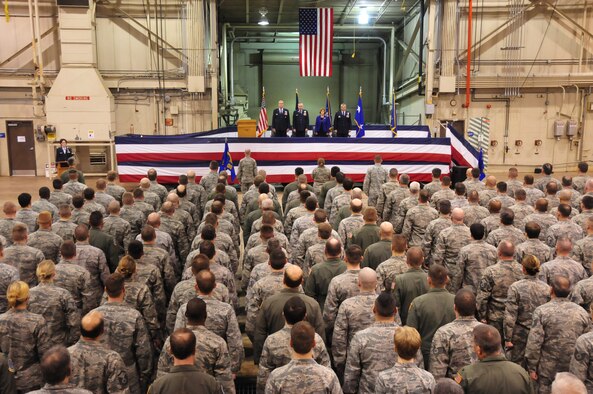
(469, 55)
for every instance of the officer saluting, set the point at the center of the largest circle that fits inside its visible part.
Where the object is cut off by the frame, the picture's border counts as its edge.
(300, 121)
(342, 122)
(280, 120)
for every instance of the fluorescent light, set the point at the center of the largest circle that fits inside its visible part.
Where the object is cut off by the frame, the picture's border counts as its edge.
(363, 17)
(263, 22)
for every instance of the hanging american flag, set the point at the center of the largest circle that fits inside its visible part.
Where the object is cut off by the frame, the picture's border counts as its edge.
(262, 122)
(316, 33)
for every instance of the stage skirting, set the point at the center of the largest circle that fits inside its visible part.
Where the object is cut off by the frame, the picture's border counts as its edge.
(175, 155)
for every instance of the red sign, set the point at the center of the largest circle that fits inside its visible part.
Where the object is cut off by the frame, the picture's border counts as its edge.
(84, 98)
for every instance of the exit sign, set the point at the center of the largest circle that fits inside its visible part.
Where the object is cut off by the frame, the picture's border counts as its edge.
(81, 98)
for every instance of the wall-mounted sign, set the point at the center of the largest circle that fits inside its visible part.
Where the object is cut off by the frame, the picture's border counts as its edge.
(79, 98)
(2, 135)
(21, 138)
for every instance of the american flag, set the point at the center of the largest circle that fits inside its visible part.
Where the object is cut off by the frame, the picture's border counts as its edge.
(316, 32)
(262, 122)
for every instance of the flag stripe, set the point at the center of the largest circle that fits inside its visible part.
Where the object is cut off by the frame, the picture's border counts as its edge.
(315, 41)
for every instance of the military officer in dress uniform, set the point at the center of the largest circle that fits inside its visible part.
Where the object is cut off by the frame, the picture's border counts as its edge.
(280, 120)
(342, 122)
(300, 121)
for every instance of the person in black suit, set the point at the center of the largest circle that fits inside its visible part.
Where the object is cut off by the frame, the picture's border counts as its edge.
(342, 122)
(63, 153)
(300, 121)
(280, 120)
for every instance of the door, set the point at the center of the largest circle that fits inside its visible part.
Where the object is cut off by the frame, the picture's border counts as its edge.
(21, 148)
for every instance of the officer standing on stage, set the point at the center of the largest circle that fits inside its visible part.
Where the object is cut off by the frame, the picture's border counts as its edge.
(300, 121)
(342, 122)
(280, 120)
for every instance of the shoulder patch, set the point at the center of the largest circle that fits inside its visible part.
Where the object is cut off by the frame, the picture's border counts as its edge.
(458, 378)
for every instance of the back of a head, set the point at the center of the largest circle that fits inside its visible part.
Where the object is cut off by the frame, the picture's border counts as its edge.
(92, 325)
(507, 217)
(587, 202)
(17, 293)
(385, 304)
(564, 210)
(583, 167)
(148, 233)
(294, 310)
(446, 181)
(552, 188)
(465, 302)
(277, 259)
(370, 215)
(532, 229)
(340, 177)
(399, 243)
(45, 271)
(477, 231)
(445, 207)
(506, 249)
(528, 179)
(541, 205)
(460, 189)
(19, 232)
(324, 231)
(320, 216)
(333, 248)
(354, 254)
(57, 184)
(487, 338)
(266, 231)
(111, 176)
(311, 203)
(348, 184)
(561, 286)
(520, 195)
(127, 198)
(293, 276)
(206, 281)
(268, 217)
(126, 267)
(44, 192)
(68, 250)
(414, 256)
(438, 275)
(563, 245)
(423, 196)
(501, 187)
(302, 337)
(114, 285)
(95, 219)
(24, 199)
(473, 196)
(475, 173)
(138, 193)
(436, 173)
(9, 208)
(531, 264)
(136, 249)
(567, 383)
(334, 171)
(407, 342)
(367, 278)
(494, 206)
(208, 248)
(404, 179)
(199, 263)
(196, 311)
(55, 365)
(88, 193)
(213, 165)
(183, 343)
(547, 168)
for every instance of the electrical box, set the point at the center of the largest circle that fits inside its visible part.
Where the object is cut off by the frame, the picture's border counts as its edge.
(572, 129)
(447, 84)
(559, 127)
(429, 109)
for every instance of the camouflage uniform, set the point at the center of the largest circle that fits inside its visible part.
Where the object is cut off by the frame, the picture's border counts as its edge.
(200, 196)
(48, 242)
(134, 217)
(341, 287)
(256, 255)
(58, 197)
(370, 352)
(512, 186)
(158, 189)
(582, 293)
(256, 295)
(580, 363)
(212, 357)
(307, 239)
(6, 226)
(579, 181)
(388, 270)
(92, 206)
(433, 230)
(126, 333)
(386, 189)
(448, 247)
(152, 199)
(209, 180)
(8, 274)
(565, 266)
(276, 353)
(348, 227)
(536, 248)
(303, 376)
(293, 215)
(491, 223)
(159, 258)
(521, 211)
(374, 178)
(434, 186)
(563, 229)
(405, 378)
(473, 184)
(355, 314)
(415, 223)
(115, 191)
(459, 202)
(24, 339)
(320, 175)
(26, 259)
(551, 342)
(522, 299)
(75, 279)
(44, 205)
(533, 195)
(493, 291)
(505, 200)
(80, 217)
(64, 388)
(65, 229)
(120, 230)
(143, 207)
(185, 291)
(315, 255)
(341, 201)
(473, 260)
(97, 368)
(506, 233)
(177, 232)
(29, 217)
(474, 213)
(247, 172)
(59, 310)
(453, 347)
(329, 198)
(299, 227)
(443, 194)
(224, 244)
(402, 211)
(222, 321)
(93, 259)
(104, 199)
(73, 188)
(542, 182)
(544, 220)
(393, 202)
(486, 195)
(581, 218)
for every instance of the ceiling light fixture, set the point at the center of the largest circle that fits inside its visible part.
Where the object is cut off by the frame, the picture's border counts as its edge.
(263, 21)
(363, 17)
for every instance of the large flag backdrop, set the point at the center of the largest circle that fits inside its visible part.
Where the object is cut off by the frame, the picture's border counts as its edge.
(316, 33)
(175, 155)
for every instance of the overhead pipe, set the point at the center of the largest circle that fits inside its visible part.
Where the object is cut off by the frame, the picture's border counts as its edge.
(295, 39)
(39, 51)
(468, 71)
(421, 47)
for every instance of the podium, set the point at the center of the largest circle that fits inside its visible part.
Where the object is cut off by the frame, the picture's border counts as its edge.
(246, 128)
(61, 167)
